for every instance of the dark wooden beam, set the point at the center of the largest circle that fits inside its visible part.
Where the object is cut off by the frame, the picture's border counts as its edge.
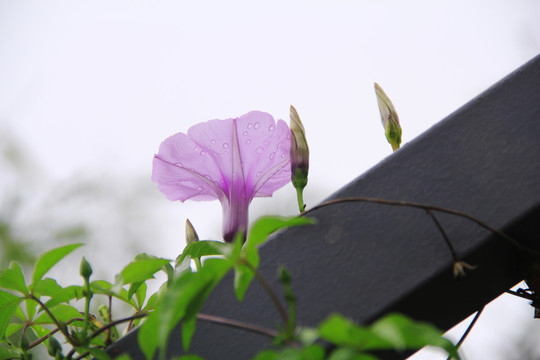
(364, 260)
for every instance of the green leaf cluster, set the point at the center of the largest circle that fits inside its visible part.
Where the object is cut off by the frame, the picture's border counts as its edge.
(40, 311)
(354, 342)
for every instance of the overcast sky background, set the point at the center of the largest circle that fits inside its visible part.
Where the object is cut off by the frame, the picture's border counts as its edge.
(89, 90)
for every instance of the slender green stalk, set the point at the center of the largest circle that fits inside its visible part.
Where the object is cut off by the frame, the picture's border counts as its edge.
(88, 299)
(198, 264)
(291, 301)
(269, 291)
(300, 198)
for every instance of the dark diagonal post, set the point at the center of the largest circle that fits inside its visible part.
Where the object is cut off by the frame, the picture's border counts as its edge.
(364, 260)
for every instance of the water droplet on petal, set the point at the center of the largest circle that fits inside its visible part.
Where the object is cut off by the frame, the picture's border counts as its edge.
(214, 141)
(282, 155)
(179, 164)
(271, 128)
(259, 150)
(225, 153)
(245, 133)
(208, 177)
(256, 126)
(272, 155)
(248, 141)
(250, 125)
(203, 153)
(259, 173)
(225, 146)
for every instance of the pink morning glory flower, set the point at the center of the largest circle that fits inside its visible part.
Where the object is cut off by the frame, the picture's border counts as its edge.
(231, 160)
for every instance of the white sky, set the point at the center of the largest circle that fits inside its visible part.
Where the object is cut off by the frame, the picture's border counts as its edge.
(93, 87)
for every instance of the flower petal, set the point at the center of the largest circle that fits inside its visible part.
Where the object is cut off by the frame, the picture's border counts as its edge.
(216, 138)
(264, 148)
(185, 171)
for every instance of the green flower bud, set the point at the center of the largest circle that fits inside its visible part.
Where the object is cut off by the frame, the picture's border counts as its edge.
(389, 118)
(284, 275)
(191, 234)
(299, 156)
(85, 269)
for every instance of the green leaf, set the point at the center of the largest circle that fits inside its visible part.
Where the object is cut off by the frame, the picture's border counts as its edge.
(40, 331)
(103, 287)
(267, 355)
(62, 312)
(46, 287)
(13, 328)
(188, 357)
(286, 354)
(313, 352)
(169, 270)
(31, 307)
(266, 225)
(99, 354)
(123, 357)
(350, 354)
(6, 353)
(183, 298)
(64, 295)
(342, 332)
(260, 231)
(151, 303)
(212, 272)
(202, 248)
(188, 330)
(393, 332)
(140, 294)
(403, 333)
(49, 287)
(13, 278)
(8, 305)
(143, 268)
(243, 275)
(47, 260)
(133, 288)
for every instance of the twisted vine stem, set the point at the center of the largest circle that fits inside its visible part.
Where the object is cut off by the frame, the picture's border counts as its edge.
(427, 208)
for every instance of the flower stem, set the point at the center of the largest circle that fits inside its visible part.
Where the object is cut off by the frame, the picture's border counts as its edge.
(87, 298)
(60, 326)
(300, 197)
(52, 332)
(426, 207)
(198, 264)
(269, 291)
(237, 325)
(117, 322)
(444, 235)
